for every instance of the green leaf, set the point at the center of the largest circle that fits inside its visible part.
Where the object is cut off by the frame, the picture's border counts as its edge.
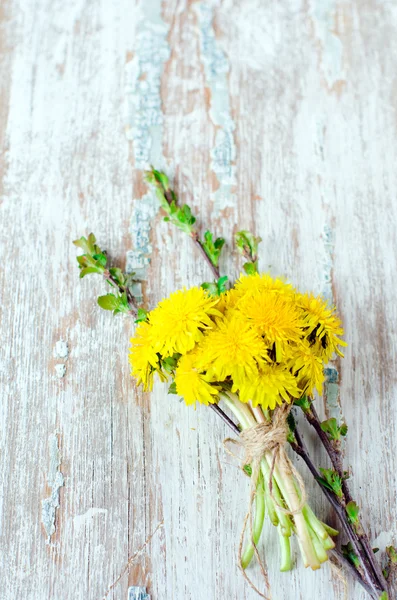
(211, 288)
(100, 258)
(83, 244)
(172, 388)
(348, 552)
(92, 247)
(248, 470)
(250, 267)
(332, 429)
(109, 302)
(117, 275)
(170, 363)
(392, 554)
(352, 510)
(332, 481)
(303, 403)
(89, 270)
(211, 248)
(221, 284)
(215, 288)
(142, 315)
(384, 596)
(247, 244)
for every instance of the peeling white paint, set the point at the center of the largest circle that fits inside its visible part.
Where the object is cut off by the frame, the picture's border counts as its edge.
(144, 118)
(384, 539)
(216, 67)
(55, 481)
(138, 259)
(61, 349)
(331, 384)
(138, 593)
(80, 520)
(324, 15)
(329, 243)
(60, 370)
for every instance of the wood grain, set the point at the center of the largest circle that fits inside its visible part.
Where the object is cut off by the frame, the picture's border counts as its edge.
(278, 117)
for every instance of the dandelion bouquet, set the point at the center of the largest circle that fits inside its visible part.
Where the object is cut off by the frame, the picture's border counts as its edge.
(254, 350)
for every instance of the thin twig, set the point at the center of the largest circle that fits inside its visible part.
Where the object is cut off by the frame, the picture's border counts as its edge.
(216, 408)
(196, 240)
(336, 460)
(130, 298)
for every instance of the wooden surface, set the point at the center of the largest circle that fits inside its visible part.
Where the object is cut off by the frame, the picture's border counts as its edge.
(274, 116)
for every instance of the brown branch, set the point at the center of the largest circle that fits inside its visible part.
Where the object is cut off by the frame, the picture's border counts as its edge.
(337, 463)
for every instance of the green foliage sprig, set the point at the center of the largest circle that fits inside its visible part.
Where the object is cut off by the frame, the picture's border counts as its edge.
(247, 244)
(181, 216)
(333, 430)
(94, 260)
(348, 552)
(332, 481)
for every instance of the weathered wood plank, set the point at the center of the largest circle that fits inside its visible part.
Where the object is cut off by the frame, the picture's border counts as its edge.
(275, 117)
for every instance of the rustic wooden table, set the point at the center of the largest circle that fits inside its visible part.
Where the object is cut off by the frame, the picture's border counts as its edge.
(279, 117)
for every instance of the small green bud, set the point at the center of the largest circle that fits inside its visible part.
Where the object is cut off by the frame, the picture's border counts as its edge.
(331, 480)
(352, 510)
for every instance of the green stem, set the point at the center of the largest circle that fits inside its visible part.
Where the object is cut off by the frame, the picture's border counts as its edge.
(257, 524)
(283, 519)
(285, 545)
(287, 488)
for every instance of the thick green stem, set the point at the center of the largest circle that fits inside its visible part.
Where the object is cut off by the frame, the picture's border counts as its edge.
(285, 545)
(282, 518)
(257, 525)
(287, 488)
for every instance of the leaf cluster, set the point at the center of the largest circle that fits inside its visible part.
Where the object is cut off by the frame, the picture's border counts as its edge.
(333, 430)
(247, 244)
(304, 403)
(212, 248)
(180, 216)
(350, 555)
(332, 481)
(93, 260)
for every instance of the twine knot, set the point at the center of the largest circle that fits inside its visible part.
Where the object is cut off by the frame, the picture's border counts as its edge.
(264, 437)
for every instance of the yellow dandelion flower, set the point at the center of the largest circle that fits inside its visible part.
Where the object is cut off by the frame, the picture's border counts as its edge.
(143, 357)
(262, 283)
(275, 317)
(228, 300)
(231, 349)
(178, 321)
(191, 384)
(308, 368)
(270, 385)
(322, 325)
